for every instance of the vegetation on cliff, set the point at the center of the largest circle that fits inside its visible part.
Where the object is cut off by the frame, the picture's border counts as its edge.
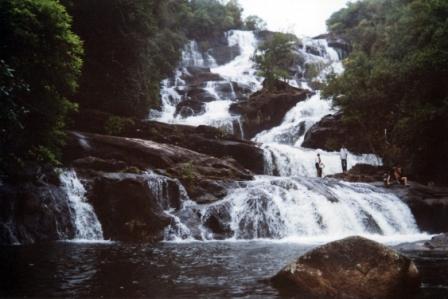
(40, 63)
(398, 70)
(274, 57)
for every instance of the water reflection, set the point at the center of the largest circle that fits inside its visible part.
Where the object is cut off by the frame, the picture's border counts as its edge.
(199, 270)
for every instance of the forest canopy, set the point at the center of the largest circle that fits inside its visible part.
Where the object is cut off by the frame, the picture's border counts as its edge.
(40, 62)
(106, 55)
(398, 70)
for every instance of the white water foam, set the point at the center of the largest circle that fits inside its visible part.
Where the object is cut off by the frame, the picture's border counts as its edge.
(294, 206)
(242, 68)
(300, 209)
(286, 160)
(87, 226)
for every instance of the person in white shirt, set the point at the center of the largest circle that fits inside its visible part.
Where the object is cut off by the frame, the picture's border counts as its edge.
(343, 153)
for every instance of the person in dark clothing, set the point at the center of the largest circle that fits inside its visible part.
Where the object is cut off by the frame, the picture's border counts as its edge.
(343, 153)
(319, 166)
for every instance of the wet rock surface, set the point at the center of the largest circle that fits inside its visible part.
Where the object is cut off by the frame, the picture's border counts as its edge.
(266, 108)
(429, 205)
(36, 210)
(201, 174)
(202, 139)
(331, 134)
(127, 208)
(362, 173)
(189, 108)
(438, 243)
(350, 268)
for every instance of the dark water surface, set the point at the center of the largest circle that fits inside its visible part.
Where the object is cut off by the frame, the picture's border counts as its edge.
(167, 270)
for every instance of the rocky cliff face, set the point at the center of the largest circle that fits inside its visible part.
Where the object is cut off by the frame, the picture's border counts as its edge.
(34, 209)
(203, 139)
(331, 134)
(265, 109)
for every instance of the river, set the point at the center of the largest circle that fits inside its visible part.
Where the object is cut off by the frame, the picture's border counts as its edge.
(167, 270)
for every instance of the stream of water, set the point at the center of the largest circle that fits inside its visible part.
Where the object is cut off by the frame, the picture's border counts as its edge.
(228, 248)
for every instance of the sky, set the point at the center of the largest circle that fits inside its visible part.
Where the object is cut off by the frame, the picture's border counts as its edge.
(302, 17)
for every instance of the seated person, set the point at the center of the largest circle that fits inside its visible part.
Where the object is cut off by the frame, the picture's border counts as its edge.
(398, 175)
(395, 173)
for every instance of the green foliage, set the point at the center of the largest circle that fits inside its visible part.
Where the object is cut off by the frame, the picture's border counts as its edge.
(130, 46)
(254, 23)
(115, 125)
(274, 57)
(209, 18)
(133, 45)
(394, 86)
(187, 172)
(41, 62)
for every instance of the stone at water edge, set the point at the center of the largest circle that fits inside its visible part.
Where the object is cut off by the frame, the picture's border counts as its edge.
(354, 267)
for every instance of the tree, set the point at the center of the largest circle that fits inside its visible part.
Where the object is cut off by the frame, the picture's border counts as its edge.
(399, 71)
(41, 62)
(274, 57)
(210, 18)
(254, 23)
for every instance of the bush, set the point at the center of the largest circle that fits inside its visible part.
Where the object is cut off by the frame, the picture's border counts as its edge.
(115, 125)
(274, 57)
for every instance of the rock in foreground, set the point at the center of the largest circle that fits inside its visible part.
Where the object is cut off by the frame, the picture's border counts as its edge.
(350, 268)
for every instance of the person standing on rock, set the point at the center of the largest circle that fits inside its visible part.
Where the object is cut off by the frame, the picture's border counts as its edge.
(319, 165)
(343, 153)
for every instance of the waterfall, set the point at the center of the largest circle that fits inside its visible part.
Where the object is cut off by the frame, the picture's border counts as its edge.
(288, 202)
(216, 113)
(282, 144)
(301, 207)
(172, 197)
(192, 56)
(241, 69)
(83, 216)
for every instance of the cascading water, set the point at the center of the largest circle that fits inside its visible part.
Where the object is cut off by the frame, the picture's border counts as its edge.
(220, 91)
(302, 208)
(241, 69)
(83, 216)
(288, 202)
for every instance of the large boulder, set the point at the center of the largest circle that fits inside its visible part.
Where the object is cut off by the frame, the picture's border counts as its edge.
(266, 108)
(127, 207)
(331, 134)
(350, 268)
(188, 108)
(194, 75)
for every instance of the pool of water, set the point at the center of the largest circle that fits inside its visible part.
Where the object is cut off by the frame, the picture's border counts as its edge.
(167, 270)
